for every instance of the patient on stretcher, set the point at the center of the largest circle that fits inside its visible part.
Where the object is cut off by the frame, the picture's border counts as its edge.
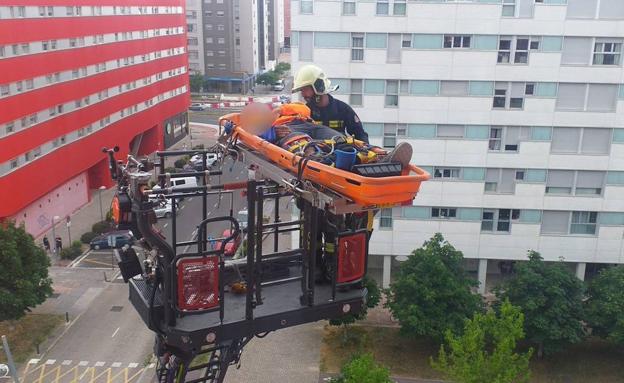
(290, 127)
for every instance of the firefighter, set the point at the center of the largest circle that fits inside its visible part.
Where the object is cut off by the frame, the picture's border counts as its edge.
(315, 89)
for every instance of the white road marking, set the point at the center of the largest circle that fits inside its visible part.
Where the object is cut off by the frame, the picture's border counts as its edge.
(66, 362)
(133, 365)
(99, 364)
(50, 361)
(83, 363)
(190, 198)
(151, 365)
(182, 207)
(33, 361)
(165, 225)
(116, 364)
(115, 333)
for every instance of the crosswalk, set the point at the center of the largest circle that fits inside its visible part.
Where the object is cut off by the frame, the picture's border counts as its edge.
(79, 371)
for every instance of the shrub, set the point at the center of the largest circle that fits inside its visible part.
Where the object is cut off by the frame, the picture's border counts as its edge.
(171, 170)
(87, 237)
(73, 251)
(363, 369)
(180, 163)
(101, 227)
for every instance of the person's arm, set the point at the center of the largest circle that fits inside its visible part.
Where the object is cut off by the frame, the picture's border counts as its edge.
(353, 125)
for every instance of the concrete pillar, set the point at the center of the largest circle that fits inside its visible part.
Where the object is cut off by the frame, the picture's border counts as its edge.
(482, 275)
(387, 265)
(580, 270)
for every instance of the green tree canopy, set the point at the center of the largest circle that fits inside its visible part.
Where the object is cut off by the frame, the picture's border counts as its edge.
(267, 78)
(24, 281)
(486, 350)
(431, 292)
(363, 369)
(550, 297)
(196, 81)
(282, 68)
(605, 306)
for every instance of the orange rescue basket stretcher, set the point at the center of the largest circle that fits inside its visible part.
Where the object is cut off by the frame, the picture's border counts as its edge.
(365, 191)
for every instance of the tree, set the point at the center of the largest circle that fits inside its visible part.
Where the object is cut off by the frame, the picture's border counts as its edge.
(485, 351)
(605, 306)
(431, 292)
(267, 78)
(24, 281)
(363, 369)
(551, 299)
(282, 68)
(196, 81)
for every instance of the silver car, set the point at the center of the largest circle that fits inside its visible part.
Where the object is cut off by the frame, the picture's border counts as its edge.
(164, 211)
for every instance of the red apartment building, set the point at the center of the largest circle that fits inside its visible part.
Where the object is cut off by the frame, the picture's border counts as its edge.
(78, 75)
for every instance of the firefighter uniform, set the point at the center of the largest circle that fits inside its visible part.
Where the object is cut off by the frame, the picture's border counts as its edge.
(339, 116)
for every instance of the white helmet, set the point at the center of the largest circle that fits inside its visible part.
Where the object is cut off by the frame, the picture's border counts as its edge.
(313, 76)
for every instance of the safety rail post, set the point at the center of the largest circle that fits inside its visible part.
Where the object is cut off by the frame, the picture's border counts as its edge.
(313, 245)
(251, 217)
(276, 220)
(258, 241)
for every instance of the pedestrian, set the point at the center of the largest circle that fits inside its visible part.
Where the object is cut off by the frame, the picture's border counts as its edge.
(58, 243)
(46, 243)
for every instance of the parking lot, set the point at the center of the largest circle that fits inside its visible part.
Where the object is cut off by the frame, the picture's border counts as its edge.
(96, 259)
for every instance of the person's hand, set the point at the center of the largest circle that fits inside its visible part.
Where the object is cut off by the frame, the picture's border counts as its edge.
(282, 131)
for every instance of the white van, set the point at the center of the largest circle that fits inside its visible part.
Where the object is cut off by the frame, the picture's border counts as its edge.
(183, 182)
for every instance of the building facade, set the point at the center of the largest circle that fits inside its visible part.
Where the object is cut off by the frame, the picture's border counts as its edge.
(234, 41)
(516, 108)
(76, 78)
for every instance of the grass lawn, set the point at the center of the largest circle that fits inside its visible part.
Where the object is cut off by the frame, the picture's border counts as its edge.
(593, 361)
(24, 335)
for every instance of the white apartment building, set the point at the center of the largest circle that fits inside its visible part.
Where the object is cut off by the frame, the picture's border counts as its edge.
(516, 108)
(195, 34)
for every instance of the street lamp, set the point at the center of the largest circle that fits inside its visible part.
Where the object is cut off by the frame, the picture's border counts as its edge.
(100, 193)
(54, 219)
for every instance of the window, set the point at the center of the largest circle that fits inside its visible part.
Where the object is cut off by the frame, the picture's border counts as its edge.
(508, 138)
(498, 220)
(357, 47)
(52, 44)
(52, 111)
(450, 173)
(26, 48)
(587, 97)
(385, 218)
(560, 182)
(14, 163)
(583, 222)
(607, 53)
(30, 84)
(51, 11)
(515, 49)
(392, 93)
(42, 11)
(509, 8)
(406, 41)
(576, 50)
(355, 98)
(391, 131)
(220, 27)
(454, 88)
(69, 11)
(450, 131)
(9, 127)
(399, 8)
(442, 212)
(220, 40)
(45, 45)
(585, 9)
(4, 90)
(348, 7)
(504, 98)
(555, 222)
(306, 7)
(220, 13)
(457, 41)
(382, 7)
(502, 181)
(589, 183)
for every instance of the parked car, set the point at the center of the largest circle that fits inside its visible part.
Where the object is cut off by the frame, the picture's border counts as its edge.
(112, 240)
(198, 160)
(278, 86)
(198, 107)
(242, 217)
(164, 211)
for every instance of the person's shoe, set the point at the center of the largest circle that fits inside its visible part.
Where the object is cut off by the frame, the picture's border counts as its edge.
(402, 153)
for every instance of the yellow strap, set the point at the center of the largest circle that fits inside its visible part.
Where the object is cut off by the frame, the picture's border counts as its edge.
(369, 224)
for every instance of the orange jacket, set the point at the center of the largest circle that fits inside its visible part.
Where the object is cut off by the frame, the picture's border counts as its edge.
(291, 112)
